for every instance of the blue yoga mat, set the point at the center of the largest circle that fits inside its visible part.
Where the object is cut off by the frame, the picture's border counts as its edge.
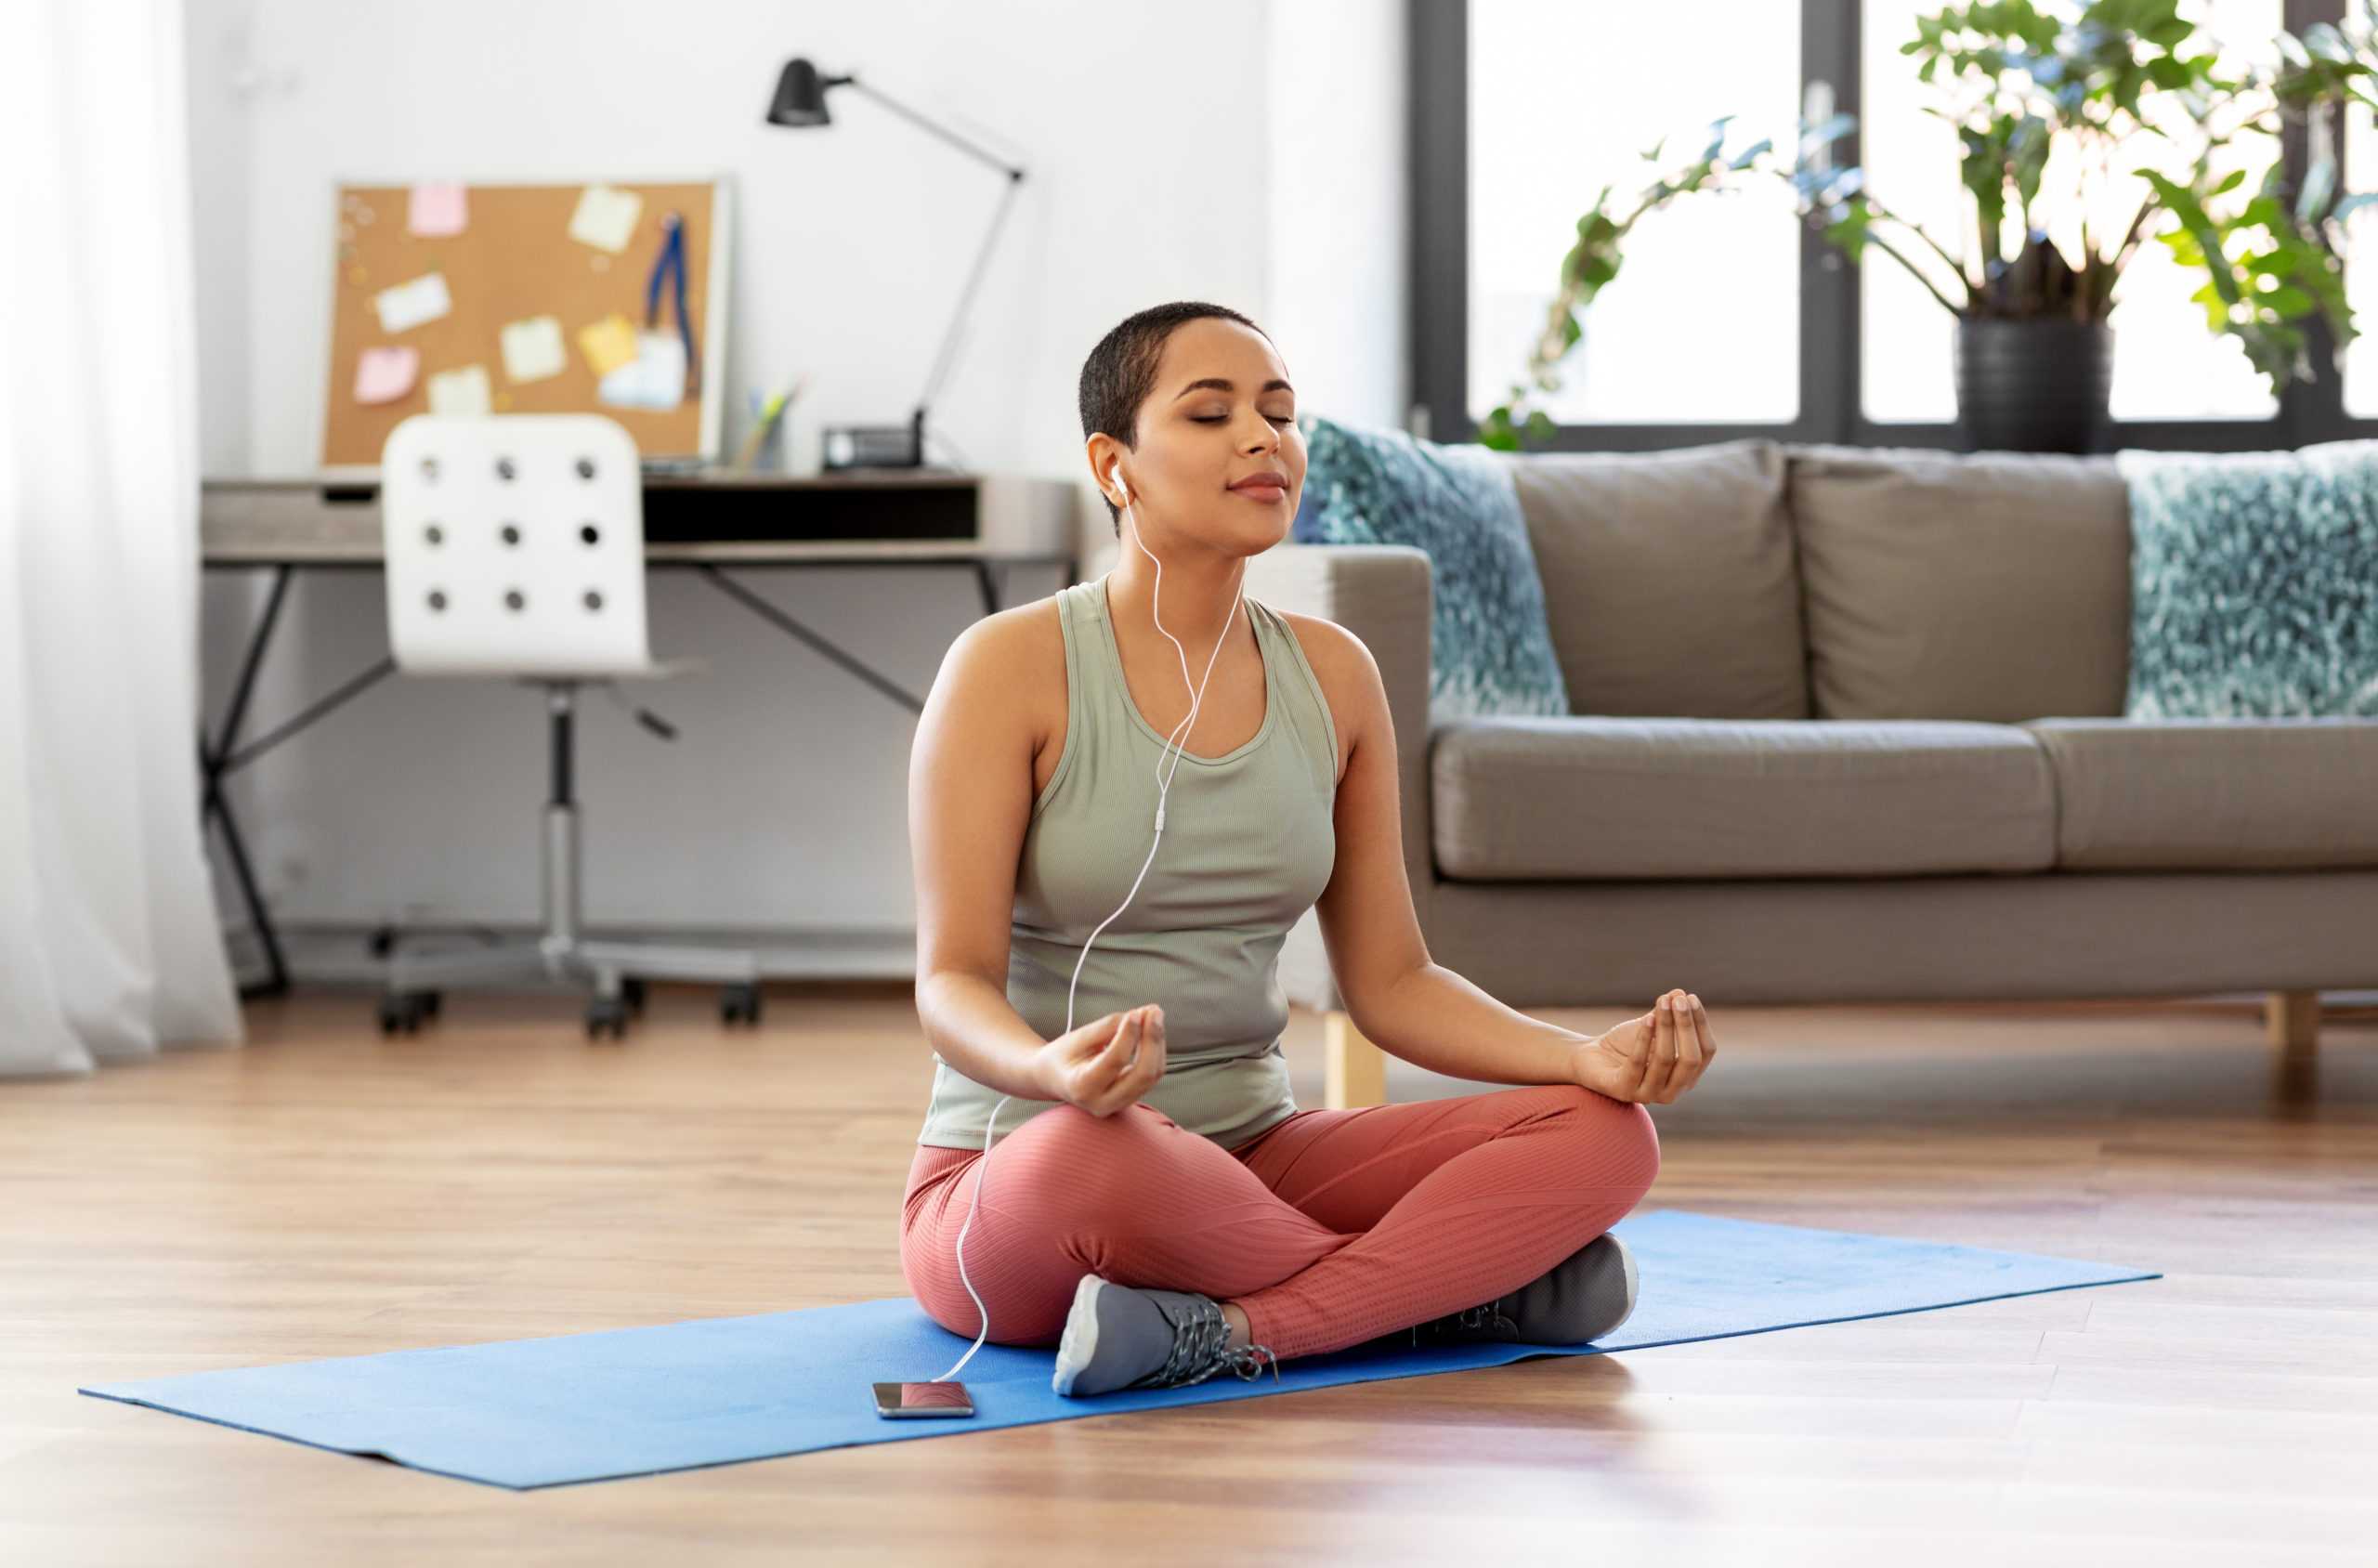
(527, 1413)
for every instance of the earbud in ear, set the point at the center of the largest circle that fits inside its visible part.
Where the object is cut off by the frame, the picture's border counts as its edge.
(1116, 474)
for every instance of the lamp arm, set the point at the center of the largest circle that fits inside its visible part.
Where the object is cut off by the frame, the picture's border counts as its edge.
(946, 359)
(981, 154)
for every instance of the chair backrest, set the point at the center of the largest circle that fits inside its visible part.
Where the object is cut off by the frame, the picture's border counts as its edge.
(514, 546)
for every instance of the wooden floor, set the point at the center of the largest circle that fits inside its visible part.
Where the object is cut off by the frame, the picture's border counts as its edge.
(326, 1193)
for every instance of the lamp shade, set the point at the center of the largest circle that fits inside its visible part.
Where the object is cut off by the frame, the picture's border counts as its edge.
(801, 97)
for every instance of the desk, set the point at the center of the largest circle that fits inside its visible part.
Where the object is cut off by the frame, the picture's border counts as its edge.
(983, 525)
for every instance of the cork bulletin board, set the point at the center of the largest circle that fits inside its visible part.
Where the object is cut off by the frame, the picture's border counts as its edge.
(527, 299)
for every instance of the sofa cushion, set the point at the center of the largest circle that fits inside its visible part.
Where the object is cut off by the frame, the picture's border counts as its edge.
(2215, 794)
(1993, 587)
(1635, 549)
(1539, 800)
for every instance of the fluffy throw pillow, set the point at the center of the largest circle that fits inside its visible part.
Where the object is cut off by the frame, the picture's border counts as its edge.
(2253, 582)
(1492, 651)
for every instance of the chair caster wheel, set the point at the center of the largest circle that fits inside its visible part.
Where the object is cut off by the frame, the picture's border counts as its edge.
(631, 993)
(739, 1004)
(402, 1012)
(606, 1015)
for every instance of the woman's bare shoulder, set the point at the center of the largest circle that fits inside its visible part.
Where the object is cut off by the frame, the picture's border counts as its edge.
(1016, 655)
(1011, 642)
(1349, 677)
(1337, 657)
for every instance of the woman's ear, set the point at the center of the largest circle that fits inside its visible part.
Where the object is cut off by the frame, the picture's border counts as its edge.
(1105, 454)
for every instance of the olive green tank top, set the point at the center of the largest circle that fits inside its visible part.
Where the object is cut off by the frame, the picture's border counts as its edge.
(1248, 844)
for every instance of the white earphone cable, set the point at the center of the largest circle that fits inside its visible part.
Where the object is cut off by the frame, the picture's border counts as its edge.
(1175, 746)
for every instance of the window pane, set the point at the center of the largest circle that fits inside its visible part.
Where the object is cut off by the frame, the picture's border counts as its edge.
(2362, 265)
(2166, 364)
(1703, 323)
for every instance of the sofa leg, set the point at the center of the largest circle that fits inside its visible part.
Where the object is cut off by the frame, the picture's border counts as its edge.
(2292, 1019)
(1356, 1068)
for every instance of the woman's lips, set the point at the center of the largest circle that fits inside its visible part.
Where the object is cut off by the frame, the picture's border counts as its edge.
(1262, 487)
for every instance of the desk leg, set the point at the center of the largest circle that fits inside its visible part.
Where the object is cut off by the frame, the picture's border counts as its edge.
(987, 583)
(211, 764)
(794, 629)
(259, 917)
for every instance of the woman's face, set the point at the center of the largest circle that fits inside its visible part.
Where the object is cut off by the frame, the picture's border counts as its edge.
(1219, 460)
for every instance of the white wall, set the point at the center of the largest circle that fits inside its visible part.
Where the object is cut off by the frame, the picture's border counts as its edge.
(1234, 150)
(1338, 205)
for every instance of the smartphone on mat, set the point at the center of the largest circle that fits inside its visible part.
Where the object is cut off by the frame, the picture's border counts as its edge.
(915, 1402)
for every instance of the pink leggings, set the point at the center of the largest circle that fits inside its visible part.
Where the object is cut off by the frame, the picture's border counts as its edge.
(1333, 1228)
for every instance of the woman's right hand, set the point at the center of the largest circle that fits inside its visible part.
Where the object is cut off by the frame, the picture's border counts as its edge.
(1105, 1065)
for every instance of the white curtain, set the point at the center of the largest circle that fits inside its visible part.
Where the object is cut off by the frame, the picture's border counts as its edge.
(109, 947)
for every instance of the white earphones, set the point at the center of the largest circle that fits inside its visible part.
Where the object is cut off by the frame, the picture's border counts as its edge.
(1175, 746)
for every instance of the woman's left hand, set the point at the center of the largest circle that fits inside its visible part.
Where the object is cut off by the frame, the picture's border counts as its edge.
(1653, 1058)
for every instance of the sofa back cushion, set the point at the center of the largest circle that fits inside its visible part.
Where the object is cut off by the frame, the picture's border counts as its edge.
(1993, 587)
(1668, 580)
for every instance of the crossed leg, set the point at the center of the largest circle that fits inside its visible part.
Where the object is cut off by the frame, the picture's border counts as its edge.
(1332, 1228)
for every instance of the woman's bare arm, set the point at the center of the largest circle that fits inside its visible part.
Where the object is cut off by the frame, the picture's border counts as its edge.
(1417, 1009)
(990, 729)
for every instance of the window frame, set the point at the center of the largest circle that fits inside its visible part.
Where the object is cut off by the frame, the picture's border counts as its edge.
(1437, 54)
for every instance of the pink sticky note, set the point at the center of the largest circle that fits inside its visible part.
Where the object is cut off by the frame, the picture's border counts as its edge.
(383, 375)
(439, 209)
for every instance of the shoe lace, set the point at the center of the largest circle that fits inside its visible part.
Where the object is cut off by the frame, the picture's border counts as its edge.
(1201, 1350)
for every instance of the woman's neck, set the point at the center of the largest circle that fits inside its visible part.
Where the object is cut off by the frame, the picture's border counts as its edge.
(1200, 589)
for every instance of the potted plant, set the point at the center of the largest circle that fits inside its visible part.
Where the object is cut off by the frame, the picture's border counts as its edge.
(2055, 109)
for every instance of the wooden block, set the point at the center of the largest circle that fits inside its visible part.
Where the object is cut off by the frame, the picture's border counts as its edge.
(2293, 1020)
(1358, 1069)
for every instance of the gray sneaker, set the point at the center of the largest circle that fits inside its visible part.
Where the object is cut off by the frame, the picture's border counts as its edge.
(1579, 1301)
(1119, 1337)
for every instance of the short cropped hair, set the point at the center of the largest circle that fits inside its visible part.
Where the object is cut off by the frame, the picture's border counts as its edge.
(1120, 372)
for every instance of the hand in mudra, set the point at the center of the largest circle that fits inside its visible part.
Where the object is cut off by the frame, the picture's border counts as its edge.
(1653, 1058)
(1107, 1064)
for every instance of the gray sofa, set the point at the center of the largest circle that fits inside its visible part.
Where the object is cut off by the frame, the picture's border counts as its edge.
(1847, 727)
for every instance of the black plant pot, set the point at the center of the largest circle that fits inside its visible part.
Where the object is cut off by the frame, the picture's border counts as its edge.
(2034, 384)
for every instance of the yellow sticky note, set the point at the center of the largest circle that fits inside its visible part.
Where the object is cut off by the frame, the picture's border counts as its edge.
(609, 344)
(532, 349)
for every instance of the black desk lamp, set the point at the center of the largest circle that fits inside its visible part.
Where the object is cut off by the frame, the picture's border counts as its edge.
(801, 102)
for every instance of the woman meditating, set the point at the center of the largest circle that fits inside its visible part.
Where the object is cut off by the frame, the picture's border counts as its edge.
(1121, 799)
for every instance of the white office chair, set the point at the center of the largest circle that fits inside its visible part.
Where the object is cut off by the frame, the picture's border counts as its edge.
(514, 548)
